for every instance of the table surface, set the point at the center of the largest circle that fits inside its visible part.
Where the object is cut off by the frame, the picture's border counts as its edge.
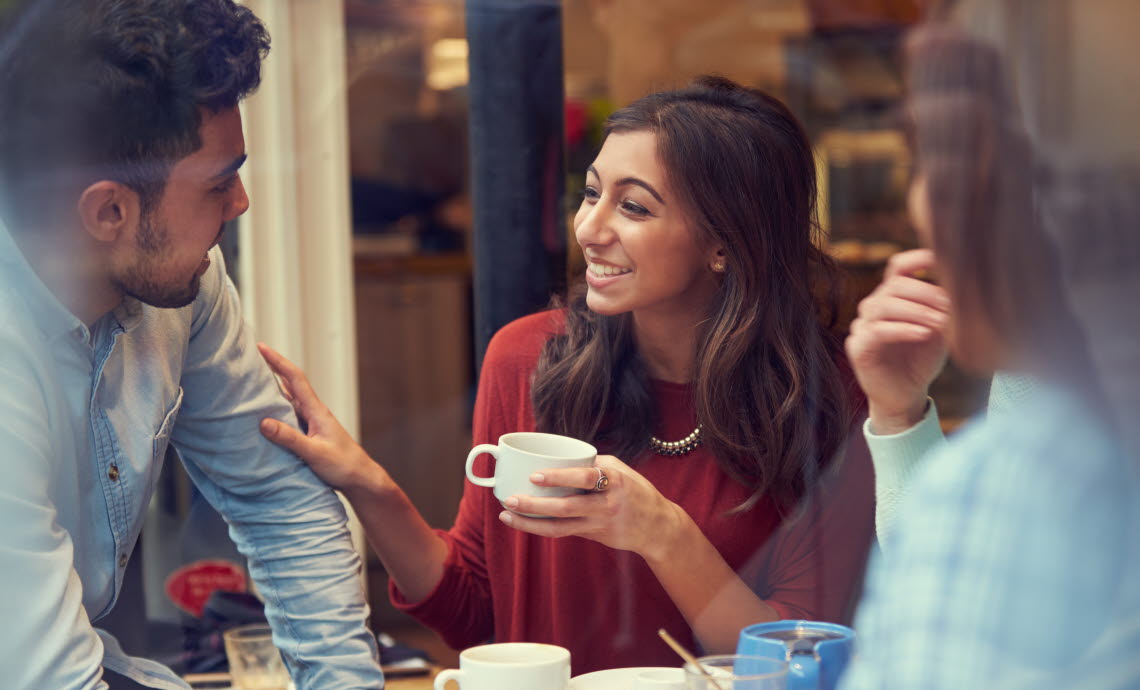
(424, 682)
(421, 682)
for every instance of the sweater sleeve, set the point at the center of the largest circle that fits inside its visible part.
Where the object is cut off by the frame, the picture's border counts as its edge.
(460, 607)
(1010, 391)
(896, 458)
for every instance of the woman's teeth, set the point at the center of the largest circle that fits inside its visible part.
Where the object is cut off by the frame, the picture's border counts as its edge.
(605, 271)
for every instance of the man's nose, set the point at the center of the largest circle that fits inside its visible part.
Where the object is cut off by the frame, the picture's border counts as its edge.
(240, 201)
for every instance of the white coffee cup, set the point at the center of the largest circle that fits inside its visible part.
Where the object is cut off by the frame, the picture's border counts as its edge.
(660, 679)
(521, 454)
(510, 666)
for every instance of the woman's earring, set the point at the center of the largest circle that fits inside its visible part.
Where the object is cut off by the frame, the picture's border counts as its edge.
(718, 266)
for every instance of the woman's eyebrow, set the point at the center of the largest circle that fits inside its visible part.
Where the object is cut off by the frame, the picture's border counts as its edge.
(636, 181)
(626, 181)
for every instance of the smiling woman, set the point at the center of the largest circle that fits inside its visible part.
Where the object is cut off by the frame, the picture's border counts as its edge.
(697, 225)
(697, 325)
(625, 225)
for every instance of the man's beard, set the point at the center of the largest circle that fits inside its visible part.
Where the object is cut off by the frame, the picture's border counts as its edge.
(143, 280)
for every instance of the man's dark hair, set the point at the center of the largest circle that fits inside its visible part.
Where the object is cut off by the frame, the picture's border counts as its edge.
(112, 89)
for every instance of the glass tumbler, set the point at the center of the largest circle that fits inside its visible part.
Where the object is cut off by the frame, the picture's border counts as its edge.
(255, 664)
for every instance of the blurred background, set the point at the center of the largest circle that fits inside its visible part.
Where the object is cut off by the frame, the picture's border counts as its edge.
(427, 155)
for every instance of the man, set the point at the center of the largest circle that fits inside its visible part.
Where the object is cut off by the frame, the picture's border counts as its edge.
(120, 334)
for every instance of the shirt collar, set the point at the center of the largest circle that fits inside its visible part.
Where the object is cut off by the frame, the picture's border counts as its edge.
(129, 313)
(17, 275)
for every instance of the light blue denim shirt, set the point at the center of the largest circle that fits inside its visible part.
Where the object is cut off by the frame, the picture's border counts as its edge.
(85, 420)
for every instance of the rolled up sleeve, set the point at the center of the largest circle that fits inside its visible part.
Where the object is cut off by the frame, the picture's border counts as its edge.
(289, 525)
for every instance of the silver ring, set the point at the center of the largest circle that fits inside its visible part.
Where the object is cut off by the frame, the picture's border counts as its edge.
(603, 480)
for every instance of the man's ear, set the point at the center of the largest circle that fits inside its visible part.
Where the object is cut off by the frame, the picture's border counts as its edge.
(109, 210)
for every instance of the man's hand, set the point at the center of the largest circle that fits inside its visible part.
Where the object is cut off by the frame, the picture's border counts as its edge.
(896, 344)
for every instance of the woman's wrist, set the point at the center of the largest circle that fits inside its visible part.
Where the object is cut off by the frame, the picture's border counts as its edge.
(370, 481)
(890, 422)
(673, 537)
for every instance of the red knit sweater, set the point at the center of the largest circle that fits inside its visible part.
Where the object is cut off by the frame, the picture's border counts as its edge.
(605, 605)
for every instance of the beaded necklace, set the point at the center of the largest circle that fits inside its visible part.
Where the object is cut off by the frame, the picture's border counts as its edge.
(674, 448)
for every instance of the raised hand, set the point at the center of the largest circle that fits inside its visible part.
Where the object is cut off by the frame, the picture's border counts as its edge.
(327, 448)
(897, 345)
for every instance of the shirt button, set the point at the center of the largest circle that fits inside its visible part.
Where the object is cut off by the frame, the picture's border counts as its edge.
(113, 473)
(123, 561)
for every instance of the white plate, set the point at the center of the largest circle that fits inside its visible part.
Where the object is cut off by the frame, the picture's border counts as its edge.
(612, 679)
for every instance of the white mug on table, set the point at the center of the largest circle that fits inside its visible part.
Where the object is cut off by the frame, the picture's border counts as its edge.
(510, 666)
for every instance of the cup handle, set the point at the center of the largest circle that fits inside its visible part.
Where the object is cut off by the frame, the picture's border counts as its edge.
(805, 667)
(444, 676)
(476, 452)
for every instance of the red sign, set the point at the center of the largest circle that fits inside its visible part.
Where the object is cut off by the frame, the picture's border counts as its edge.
(191, 585)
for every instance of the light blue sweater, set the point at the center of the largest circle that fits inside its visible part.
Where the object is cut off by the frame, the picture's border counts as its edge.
(1014, 563)
(897, 457)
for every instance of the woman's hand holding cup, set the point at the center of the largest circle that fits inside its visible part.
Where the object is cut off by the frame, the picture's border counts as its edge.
(629, 514)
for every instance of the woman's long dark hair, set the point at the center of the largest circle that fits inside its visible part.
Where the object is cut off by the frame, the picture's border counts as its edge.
(770, 385)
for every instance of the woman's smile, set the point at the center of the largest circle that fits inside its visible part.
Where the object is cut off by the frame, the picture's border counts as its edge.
(599, 275)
